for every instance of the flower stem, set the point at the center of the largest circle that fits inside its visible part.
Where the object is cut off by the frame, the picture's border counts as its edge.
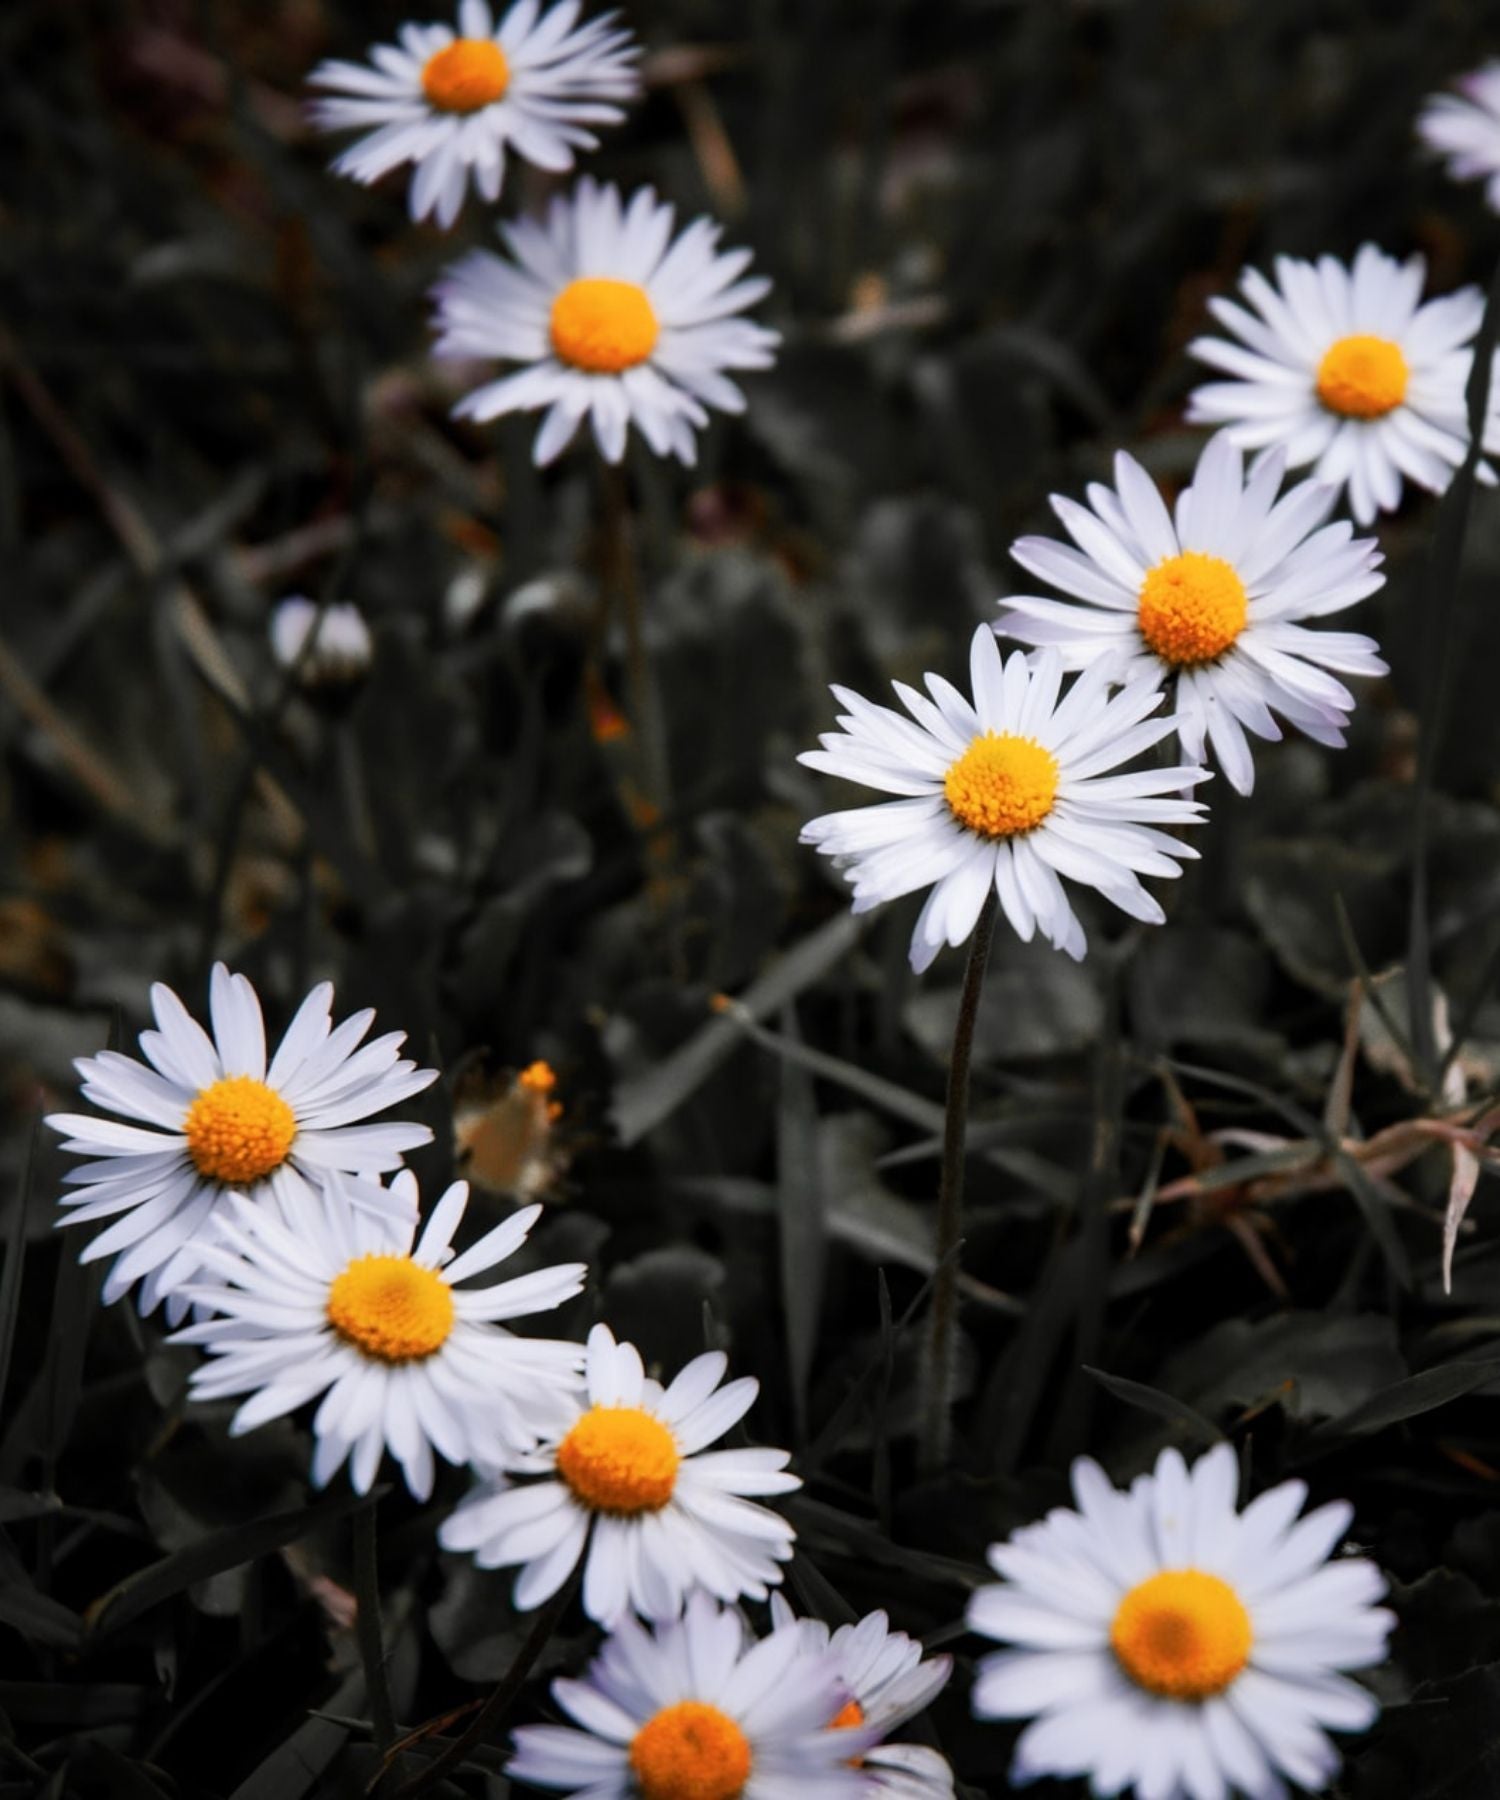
(937, 1409)
(367, 1627)
(495, 1707)
(644, 698)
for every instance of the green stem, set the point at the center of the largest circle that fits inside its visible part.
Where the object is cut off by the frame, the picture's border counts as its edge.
(500, 1701)
(937, 1421)
(641, 688)
(367, 1626)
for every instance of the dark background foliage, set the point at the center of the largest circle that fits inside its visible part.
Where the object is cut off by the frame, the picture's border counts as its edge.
(992, 227)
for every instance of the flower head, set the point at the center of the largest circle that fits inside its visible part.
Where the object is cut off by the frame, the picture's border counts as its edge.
(1210, 599)
(1346, 367)
(1465, 128)
(1009, 792)
(694, 1710)
(218, 1121)
(454, 104)
(1166, 1640)
(613, 319)
(343, 1301)
(628, 1461)
(340, 652)
(884, 1681)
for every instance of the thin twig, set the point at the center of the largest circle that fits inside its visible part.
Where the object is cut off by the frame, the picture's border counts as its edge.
(937, 1423)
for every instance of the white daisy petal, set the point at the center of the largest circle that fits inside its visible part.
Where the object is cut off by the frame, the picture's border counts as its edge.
(1004, 794)
(225, 1125)
(1334, 365)
(609, 323)
(1464, 129)
(1211, 1665)
(627, 1454)
(452, 104)
(1218, 623)
(690, 1706)
(330, 1300)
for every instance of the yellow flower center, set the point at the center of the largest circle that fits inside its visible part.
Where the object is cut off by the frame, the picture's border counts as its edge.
(1192, 608)
(850, 1714)
(618, 1459)
(690, 1751)
(469, 74)
(391, 1308)
(238, 1130)
(537, 1078)
(603, 325)
(1182, 1634)
(1002, 785)
(1363, 377)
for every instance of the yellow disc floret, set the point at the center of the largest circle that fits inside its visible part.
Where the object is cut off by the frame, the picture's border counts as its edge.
(690, 1751)
(1192, 608)
(1363, 377)
(391, 1308)
(1002, 785)
(539, 1077)
(618, 1459)
(238, 1130)
(468, 75)
(850, 1714)
(1182, 1634)
(602, 325)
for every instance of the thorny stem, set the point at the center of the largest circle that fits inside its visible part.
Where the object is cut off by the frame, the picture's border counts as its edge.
(937, 1423)
(499, 1703)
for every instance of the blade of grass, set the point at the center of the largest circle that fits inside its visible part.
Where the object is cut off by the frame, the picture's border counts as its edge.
(1162, 1406)
(803, 1238)
(149, 1587)
(644, 1102)
(15, 1256)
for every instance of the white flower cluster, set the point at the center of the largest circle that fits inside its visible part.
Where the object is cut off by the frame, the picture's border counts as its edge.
(246, 1189)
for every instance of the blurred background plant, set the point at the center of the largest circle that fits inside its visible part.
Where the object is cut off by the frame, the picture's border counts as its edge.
(1208, 1168)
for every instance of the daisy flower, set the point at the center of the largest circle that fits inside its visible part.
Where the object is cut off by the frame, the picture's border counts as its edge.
(453, 104)
(693, 1710)
(1465, 128)
(613, 320)
(1210, 600)
(1167, 1641)
(217, 1121)
(344, 1301)
(884, 1681)
(628, 1461)
(1008, 792)
(1345, 367)
(341, 652)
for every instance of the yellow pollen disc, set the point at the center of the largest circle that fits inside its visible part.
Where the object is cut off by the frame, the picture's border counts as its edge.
(603, 325)
(238, 1130)
(1192, 608)
(1002, 785)
(850, 1714)
(1182, 1634)
(690, 1751)
(618, 1459)
(391, 1308)
(469, 74)
(1363, 377)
